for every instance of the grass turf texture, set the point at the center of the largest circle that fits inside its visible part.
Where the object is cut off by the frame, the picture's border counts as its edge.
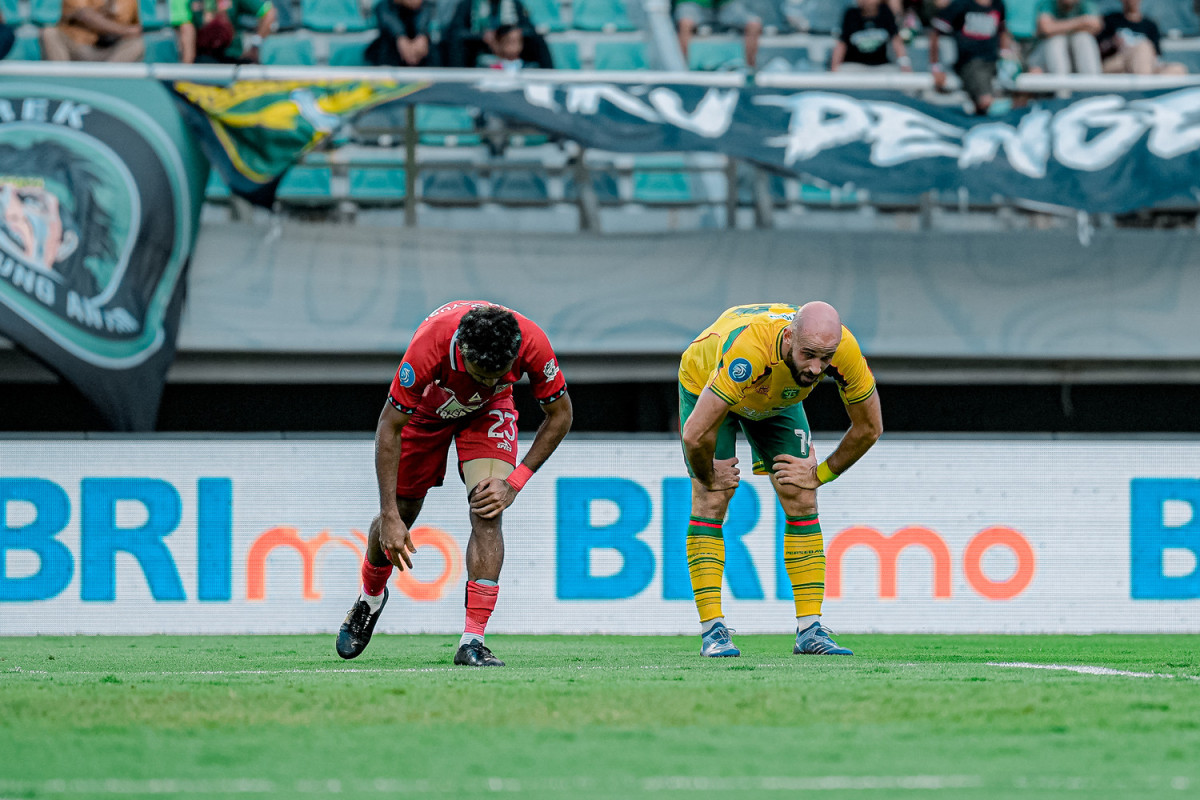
(597, 716)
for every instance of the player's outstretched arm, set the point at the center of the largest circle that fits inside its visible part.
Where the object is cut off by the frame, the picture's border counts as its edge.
(394, 537)
(493, 495)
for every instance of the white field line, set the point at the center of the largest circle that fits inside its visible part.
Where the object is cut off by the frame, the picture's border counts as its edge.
(499, 785)
(1086, 669)
(394, 786)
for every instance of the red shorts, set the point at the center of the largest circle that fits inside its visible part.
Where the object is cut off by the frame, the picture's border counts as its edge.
(425, 443)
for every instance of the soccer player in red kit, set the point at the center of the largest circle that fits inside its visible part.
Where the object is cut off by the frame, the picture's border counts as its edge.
(455, 384)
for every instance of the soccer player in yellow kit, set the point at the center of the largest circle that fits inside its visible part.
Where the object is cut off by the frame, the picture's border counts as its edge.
(750, 370)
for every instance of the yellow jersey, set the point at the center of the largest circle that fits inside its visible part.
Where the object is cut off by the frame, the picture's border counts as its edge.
(740, 357)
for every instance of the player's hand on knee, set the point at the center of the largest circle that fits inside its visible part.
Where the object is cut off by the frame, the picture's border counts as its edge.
(490, 497)
(792, 471)
(726, 475)
(397, 543)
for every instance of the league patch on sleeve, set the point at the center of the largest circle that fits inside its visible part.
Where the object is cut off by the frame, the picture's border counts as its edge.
(550, 370)
(407, 375)
(740, 370)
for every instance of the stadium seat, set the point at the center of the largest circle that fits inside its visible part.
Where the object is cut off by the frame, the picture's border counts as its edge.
(520, 187)
(306, 184)
(12, 12)
(449, 187)
(1174, 17)
(604, 184)
(26, 48)
(621, 55)
(336, 16)
(152, 20)
(161, 50)
(545, 15)
(217, 189)
(715, 54)
(662, 187)
(565, 53)
(45, 12)
(349, 53)
(287, 14)
(289, 51)
(1189, 58)
(1021, 18)
(376, 184)
(601, 15)
(446, 125)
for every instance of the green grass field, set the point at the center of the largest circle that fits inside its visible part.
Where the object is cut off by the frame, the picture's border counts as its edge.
(598, 716)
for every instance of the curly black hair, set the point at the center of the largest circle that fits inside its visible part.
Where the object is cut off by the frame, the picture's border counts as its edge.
(489, 337)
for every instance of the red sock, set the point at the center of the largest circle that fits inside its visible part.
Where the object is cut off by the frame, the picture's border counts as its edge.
(481, 602)
(374, 578)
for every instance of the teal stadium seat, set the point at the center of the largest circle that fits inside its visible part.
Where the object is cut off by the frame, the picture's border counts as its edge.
(216, 190)
(336, 16)
(621, 56)
(449, 187)
(446, 125)
(348, 53)
(714, 54)
(564, 52)
(520, 187)
(662, 186)
(161, 51)
(604, 184)
(601, 15)
(289, 51)
(26, 48)
(377, 184)
(1021, 18)
(152, 19)
(306, 185)
(546, 15)
(45, 12)
(12, 12)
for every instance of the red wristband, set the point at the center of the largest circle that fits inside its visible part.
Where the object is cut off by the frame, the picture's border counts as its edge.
(519, 477)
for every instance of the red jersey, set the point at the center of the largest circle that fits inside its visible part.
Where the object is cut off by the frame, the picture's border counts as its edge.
(432, 381)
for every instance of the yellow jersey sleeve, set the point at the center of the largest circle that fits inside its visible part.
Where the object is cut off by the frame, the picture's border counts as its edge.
(850, 371)
(745, 356)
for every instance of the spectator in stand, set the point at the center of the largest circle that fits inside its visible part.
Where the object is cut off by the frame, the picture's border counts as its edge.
(1129, 42)
(207, 34)
(730, 14)
(471, 33)
(867, 27)
(1066, 31)
(8, 36)
(404, 35)
(982, 38)
(95, 30)
(510, 44)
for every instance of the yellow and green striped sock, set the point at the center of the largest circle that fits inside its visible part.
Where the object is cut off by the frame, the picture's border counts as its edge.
(706, 564)
(804, 559)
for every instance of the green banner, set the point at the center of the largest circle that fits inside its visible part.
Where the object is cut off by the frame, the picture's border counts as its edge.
(101, 186)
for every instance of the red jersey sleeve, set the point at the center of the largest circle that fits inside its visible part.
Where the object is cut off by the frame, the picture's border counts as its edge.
(418, 369)
(540, 364)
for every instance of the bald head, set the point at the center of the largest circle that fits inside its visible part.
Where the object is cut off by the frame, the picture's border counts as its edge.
(812, 339)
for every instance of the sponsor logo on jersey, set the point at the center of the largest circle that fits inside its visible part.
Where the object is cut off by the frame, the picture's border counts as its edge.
(408, 376)
(790, 393)
(740, 370)
(550, 370)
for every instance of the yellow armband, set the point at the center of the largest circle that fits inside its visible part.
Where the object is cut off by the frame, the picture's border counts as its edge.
(824, 473)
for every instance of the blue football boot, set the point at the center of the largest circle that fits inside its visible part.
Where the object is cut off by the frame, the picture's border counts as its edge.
(815, 641)
(718, 643)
